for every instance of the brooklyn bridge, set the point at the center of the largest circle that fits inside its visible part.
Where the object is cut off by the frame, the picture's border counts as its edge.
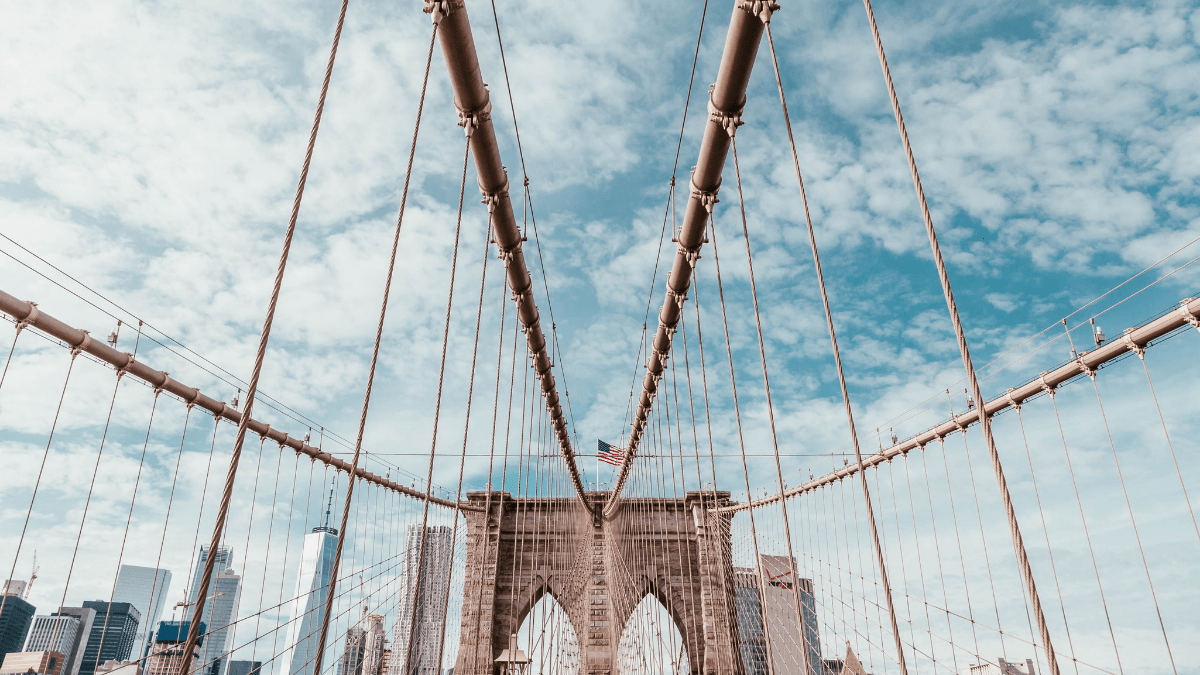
(1031, 516)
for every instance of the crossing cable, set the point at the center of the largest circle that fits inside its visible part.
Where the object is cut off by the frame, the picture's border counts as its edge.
(1141, 352)
(1133, 521)
(252, 388)
(92, 485)
(437, 409)
(726, 101)
(1046, 533)
(387, 289)
(837, 356)
(762, 352)
(984, 419)
(128, 522)
(982, 531)
(38, 482)
(958, 543)
(741, 442)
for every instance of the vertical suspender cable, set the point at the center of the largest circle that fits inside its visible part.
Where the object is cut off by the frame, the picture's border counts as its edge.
(837, 357)
(437, 410)
(252, 389)
(762, 352)
(362, 420)
(985, 421)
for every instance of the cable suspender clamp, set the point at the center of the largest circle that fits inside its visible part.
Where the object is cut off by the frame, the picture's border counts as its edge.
(34, 313)
(1183, 309)
(707, 197)
(469, 120)
(493, 198)
(763, 9)
(1012, 402)
(1046, 386)
(158, 388)
(83, 344)
(440, 9)
(730, 120)
(1134, 347)
(1085, 368)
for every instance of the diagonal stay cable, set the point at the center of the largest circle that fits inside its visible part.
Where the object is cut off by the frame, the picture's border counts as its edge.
(984, 419)
(837, 355)
(362, 420)
(252, 390)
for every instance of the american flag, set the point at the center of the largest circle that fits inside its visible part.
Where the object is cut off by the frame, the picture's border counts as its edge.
(609, 454)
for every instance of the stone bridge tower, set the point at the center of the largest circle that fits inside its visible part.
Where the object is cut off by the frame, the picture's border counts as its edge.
(520, 549)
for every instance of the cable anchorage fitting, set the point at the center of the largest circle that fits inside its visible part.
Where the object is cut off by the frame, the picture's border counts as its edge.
(707, 197)
(763, 9)
(1085, 368)
(470, 120)
(1183, 309)
(729, 120)
(34, 313)
(83, 344)
(1134, 347)
(493, 198)
(440, 9)
(1046, 387)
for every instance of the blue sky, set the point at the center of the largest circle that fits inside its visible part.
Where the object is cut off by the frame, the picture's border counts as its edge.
(151, 151)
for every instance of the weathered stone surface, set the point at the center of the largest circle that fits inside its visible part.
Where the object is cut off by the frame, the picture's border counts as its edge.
(672, 549)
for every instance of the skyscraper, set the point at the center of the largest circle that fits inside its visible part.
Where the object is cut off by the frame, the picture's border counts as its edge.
(794, 643)
(15, 616)
(54, 634)
(423, 603)
(220, 607)
(374, 640)
(312, 590)
(86, 617)
(352, 652)
(144, 588)
(752, 642)
(113, 634)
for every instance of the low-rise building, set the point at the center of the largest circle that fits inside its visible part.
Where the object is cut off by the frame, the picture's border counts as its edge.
(40, 663)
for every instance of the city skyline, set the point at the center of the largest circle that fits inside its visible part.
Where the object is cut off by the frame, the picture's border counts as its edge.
(146, 588)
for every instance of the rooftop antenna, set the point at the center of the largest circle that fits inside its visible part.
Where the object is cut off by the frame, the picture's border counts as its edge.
(329, 508)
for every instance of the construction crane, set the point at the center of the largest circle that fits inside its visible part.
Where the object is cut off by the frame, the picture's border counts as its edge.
(32, 576)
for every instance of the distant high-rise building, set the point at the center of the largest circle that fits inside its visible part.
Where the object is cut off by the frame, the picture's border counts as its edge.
(794, 643)
(38, 663)
(245, 667)
(15, 616)
(374, 641)
(312, 590)
(144, 588)
(114, 632)
(386, 661)
(220, 608)
(86, 617)
(168, 649)
(54, 634)
(423, 603)
(747, 601)
(352, 651)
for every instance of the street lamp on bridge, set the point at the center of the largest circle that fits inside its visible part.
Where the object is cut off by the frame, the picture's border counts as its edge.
(513, 661)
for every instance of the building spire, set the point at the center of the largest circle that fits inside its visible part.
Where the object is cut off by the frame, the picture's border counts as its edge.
(328, 511)
(329, 507)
